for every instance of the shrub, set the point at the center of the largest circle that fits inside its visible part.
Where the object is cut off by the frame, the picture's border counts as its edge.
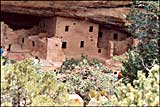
(144, 93)
(84, 75)
(143, 25)
(145, 90)
(23, 85)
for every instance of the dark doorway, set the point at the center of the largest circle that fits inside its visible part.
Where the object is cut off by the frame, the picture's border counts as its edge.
(22, 40)
(99, 50)
(9, 47)
(115, 36)
(100, 34)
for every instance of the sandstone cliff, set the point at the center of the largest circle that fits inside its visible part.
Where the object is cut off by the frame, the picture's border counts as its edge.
(101, 12)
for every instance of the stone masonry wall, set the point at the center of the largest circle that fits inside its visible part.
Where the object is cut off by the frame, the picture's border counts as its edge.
(121, 47)
(78, 31)
(54, 50)
(107, 35)
(48, 25)
(8, 36)
(58, 38)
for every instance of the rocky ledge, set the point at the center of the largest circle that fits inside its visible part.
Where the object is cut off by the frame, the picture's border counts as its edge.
(106, 13)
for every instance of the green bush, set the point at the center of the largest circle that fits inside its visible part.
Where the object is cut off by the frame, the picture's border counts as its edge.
(143, 25)
(145, 90)
(144, 93)
(82, 75)
(23, 85)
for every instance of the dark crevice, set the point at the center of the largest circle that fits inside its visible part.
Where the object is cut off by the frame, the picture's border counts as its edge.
(19, 21)
(109, 7)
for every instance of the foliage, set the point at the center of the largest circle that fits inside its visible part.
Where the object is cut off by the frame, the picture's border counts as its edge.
(83, 75)
(144, 93)
(145, 90)
(22, 84)
(99, 98)
(144, 25)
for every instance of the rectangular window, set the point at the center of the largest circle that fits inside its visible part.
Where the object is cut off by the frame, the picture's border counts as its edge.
(22, 40)
(33, 43)
(90, 28)
(82, 44)
(115, 36)
(100, 34)
(66, 28)
(99, 50)
(64, 45)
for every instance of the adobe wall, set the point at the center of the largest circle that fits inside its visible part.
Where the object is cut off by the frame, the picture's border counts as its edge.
(38, 48)
(36, 35)
(20, 42)
(107, 35)
(78, 31)
(48, 25)
(121, 47)
(8, 36)
(2, 33)
(54, 50)
(112, 45)
(50, 33)
(10, 39)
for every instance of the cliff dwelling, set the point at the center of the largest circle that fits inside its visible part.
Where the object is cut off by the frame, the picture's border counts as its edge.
(58, 38)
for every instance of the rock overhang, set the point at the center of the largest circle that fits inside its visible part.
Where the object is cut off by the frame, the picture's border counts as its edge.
(105, 13)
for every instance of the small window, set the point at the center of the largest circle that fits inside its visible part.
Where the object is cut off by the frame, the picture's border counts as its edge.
(90, 28)
(64, 45)
(22, 40)
(66, 28)
(33, 43)
(9, 47)
(100, 34)
(82, 44)
(99, 50)
(115, 36)
(74, 23)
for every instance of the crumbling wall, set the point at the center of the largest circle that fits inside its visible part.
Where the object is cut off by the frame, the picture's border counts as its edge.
(58, 38)
(48, 25)
(8, 36)
(20, 44)
(107, 35)
(121, 47)
(3, 38)
(40, 49)
(10, 39)
(37, 44)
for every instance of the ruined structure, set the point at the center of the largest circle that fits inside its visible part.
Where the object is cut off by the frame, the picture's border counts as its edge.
(55, 38)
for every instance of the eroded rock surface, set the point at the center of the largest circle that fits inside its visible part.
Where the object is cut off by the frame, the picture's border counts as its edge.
(101, 12)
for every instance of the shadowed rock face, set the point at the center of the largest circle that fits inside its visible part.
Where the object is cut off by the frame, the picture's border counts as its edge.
(106, 13)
